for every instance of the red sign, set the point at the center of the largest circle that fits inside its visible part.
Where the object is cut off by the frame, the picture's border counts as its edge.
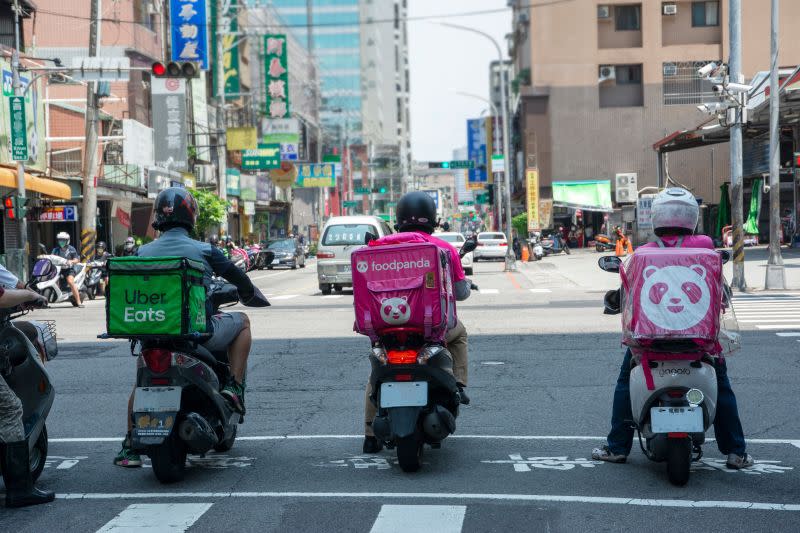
(123, 217)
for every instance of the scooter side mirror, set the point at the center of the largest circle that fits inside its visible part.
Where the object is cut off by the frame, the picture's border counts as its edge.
(469, 245)
(609, 263)
(726, 256)
(369, 237)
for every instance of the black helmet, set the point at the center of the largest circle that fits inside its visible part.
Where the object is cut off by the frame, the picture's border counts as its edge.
(101, 245)
(175, 207)
(214, 240)
(416, 211)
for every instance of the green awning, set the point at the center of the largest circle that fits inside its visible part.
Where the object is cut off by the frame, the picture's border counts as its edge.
(593, 195)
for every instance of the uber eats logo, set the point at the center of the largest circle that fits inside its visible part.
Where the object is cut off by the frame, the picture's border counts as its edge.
(139, 297)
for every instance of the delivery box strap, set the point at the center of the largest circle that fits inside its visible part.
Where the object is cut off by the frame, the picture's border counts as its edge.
(428, 320)
(368, 325)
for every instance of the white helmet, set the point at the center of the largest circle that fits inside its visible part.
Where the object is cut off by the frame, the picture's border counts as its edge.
(674, 211)
(63, 236)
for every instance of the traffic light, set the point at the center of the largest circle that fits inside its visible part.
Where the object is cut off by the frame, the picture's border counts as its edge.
(15, 207)
(439, 164)
(174, 69)
(490, 194)
(797, 160)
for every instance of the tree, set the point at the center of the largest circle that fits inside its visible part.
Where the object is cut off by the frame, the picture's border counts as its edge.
(520, 223)
(212, 210)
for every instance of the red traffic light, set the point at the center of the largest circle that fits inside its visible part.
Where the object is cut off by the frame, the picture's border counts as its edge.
(158, 69)
(174, 70)
(797, 159)
(8, 202)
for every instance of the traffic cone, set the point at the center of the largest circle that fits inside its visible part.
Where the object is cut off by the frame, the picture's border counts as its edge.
(629, 246)
(526, 256)
(618, 250)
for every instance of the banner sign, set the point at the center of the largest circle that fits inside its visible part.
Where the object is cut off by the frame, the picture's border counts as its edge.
(532, 198)
(280, 130)
(169, 123)
(245, 138)
(189, 39)
(546, 213)
(476, 151)
(644, 206)
(19, 134)
(591, 195)
(316, 175)
(59, 213)
(266, 156)
(232, 176)
(138, 146)
(277, 82)
(230, 57)
(262, 190)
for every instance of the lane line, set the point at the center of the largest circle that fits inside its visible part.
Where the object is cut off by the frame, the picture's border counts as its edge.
(332, 297)
(156, 518)
(766, 319)
(265, 276)
(488, 291)
(777, 326)
(67, 440)
(540, 291)
(439, 518)
(285, 297)
(557, 498)
(788, 334)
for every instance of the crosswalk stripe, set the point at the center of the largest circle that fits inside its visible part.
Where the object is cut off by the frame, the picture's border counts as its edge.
(285, 297)
(332, 297)
(439, 518)
(779, 326)
(788, 334)
(156, 518)
(766, 319)
(540, 290)
(489, 291)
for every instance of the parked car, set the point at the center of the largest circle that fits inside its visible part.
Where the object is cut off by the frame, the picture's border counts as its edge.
(340, 236)
(491, 245)
(457, 239)
(287, 252)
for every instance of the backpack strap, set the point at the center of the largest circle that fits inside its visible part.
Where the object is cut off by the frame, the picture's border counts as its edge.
(428, 320)
(660, 243)
(678, 244)
(370, 330)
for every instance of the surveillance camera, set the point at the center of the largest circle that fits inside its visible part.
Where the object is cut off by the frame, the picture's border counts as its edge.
(718, 89)
(706, 70)
(766, 188)
(739, 88)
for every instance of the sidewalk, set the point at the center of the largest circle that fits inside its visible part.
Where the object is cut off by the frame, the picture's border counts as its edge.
(755, 266)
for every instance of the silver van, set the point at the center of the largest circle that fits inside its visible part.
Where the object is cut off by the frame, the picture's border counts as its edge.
(340, 236)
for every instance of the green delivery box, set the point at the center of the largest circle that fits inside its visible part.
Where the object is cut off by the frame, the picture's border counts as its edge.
(155, 296)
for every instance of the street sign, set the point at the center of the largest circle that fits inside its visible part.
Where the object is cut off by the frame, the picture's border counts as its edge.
(316, 175)
(59, 213)
(289, 152)
(498, 163)
(460, 163)
(363, 190)
(332, 158)
(19, 133)
(266, 156)
(100, 68)
(350, 203)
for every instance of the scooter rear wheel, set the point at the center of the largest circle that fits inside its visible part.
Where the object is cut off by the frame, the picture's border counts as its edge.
(227, 444)
(39, 455)
(679, 460)
(409, 453)
(169, 459)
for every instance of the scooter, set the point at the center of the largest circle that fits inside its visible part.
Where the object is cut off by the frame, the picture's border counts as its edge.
(97, 271)
(673, 413)
(47, 280)
(415, 391)
(554, 244)
(535, 243)
(22, 366)
(177, 405)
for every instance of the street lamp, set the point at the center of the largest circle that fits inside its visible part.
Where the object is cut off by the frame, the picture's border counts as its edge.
(510, 260)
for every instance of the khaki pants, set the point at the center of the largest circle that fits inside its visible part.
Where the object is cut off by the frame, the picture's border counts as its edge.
(457, 346)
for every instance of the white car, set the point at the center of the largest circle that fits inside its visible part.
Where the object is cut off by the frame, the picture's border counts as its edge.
(457, 240)
(491, 245)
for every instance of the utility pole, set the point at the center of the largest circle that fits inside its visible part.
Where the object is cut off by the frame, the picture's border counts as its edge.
(89, 218)
(737, 196)
(18, 91)
(775, 278)
(222, 151)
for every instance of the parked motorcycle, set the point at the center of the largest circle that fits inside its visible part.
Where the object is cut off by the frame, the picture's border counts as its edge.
(674, 413)
(535, 243)
(554, 244)
(46, 279)
(177, 405)
(24, 346)
(414, 389)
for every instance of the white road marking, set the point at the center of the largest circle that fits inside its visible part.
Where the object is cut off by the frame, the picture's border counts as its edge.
(332, 297)
(254, 278)
(156, 517)
(439, 518)
(778, 326)
(788, 334)
(492, 363)
(540, 290)
(489, 291)
(557, 498)
(548, 463)
(792, 442)
(285, 297)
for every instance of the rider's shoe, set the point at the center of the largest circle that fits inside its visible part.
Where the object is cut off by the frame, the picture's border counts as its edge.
(20, 490)
(372, 445)
(603, 453)
(463, 394)
(126, 457)
(234, 393)
(737, 462)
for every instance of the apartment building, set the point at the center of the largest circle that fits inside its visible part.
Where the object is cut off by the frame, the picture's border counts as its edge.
(597, 83)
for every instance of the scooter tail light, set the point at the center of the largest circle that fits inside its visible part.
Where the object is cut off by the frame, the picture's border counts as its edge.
(403, 377)
(677, 435)
(179, 359)
(675, 394)
(157, 360)
(402, 357)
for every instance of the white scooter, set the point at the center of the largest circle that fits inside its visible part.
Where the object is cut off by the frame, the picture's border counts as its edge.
(673, 398)
(46, 279)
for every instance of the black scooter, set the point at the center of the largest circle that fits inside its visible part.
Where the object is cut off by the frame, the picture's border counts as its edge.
(23, 347)
(414, 389)
(177, 405)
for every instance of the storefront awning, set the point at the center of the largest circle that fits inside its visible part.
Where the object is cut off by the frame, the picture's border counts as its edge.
(594, 195)
(51, 188)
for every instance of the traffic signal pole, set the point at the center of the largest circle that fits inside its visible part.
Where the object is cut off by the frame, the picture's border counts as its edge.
(89, 215)
(18, 91)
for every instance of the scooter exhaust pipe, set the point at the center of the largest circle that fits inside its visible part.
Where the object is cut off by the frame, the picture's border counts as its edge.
(439, 423)
(197, 433)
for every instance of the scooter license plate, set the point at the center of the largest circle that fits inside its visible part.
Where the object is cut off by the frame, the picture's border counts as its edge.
(676, 419)
(405, 394)
(276, 261)
(157, 399)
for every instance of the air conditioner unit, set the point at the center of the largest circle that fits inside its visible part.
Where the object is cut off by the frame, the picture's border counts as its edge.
(626, 189)
(669, 9)
(607, 73)
(670, 69)
(603, 12)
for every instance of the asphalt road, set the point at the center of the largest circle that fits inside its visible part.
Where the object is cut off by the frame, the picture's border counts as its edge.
(543, 361)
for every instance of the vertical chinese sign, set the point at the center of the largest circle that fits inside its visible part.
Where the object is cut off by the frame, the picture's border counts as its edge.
(476, 151)
(189, 36)
(230, 47)
(277, 76)
(19, 136)
(169, 123)
(532, 185)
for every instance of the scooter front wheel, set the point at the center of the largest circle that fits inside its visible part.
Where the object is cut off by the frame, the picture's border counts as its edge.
(409, 453)
(679, 460)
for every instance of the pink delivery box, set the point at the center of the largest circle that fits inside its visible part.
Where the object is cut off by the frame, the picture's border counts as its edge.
(405, 285)
(672, 294)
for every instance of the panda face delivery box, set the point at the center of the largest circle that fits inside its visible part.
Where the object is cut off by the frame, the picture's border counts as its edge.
(406, 285)
(155, 296)
(672, 294)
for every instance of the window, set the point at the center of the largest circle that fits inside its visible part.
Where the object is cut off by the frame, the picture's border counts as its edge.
(629, 74)
(621, 86)
(347, 234)
(683, 86)
(628, 18)
(705, 14)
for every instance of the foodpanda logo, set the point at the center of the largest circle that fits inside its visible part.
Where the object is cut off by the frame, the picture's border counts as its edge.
(675, 297)
(362, 266)
(395, 311)
(400, 265)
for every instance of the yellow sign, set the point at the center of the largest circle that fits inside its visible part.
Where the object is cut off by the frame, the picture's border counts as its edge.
(242, 139)
(284, 176)
(532, 184)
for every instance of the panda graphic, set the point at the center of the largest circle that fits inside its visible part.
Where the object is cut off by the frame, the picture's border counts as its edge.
(675, 297)
(395, 311)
